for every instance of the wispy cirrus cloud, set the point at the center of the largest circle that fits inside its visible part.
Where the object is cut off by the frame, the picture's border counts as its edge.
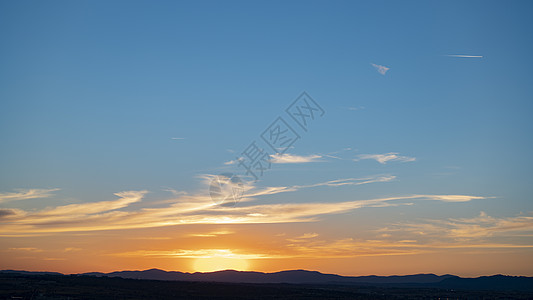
(287, 159)
(71, 249)
(198, 209)
(197, 253)
(485, 225)
(406, 239)
(191, 210)
(126, 198)
(350, 247)
(384, 158)
(27, 249)
(312, 248)
(312, 244)
(303, 248)
(253, 192)
(460, 229)
(453, 198)
(464, 56)
(175, 192)
(72, 217)
(23, 194)
(294, 159)
(309, 235)
(381, 69)
(212, 233)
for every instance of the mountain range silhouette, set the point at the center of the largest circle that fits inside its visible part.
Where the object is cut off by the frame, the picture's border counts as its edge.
(494, 282)
(291, 276)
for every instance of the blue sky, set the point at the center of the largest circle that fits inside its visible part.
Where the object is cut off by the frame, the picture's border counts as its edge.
(92, 94)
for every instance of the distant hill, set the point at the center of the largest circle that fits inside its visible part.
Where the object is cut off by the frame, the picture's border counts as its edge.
(28, 273)
(496, 282)
(292, 276)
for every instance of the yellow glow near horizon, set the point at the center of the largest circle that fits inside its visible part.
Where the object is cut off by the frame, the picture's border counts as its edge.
(217, 263)
(219, 259)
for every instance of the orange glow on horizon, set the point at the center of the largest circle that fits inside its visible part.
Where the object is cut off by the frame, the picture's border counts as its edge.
(211, 264)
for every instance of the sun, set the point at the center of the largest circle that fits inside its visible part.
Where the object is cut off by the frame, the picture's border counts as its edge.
(210, 260)
(211, 264)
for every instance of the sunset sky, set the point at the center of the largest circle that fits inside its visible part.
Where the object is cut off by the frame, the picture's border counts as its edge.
(412, 153)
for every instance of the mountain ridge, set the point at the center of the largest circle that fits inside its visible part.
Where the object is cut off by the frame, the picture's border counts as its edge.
(424, 280)
(427, 280)
(286, 276)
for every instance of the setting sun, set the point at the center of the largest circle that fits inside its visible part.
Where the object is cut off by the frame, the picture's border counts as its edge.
(211, 264)
(219, 259)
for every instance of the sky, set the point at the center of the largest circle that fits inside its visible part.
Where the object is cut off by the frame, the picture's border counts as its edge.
(347, 137)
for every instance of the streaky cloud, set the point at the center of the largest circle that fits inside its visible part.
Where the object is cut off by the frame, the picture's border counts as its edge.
(384, 158)
(464, 229)
(293, 159)
(23, 194)
(194, 209)
(381, 69)
(464, 56)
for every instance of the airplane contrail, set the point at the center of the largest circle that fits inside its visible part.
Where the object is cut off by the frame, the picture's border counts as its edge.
(466, 56)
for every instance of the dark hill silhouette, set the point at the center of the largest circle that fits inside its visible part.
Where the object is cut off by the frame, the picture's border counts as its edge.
(28, 272)
(495, 282)
(292, 276)
(489, 283)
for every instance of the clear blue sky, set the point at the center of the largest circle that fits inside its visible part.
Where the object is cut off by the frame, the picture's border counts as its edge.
(92, 94)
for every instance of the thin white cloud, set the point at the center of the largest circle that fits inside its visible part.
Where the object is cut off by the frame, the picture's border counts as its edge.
(28, 249)
(175, 192)
(331, 156)
(406, 239)
(349, 247)
(465, 56)
(293, 159)
(309, 235)
(312, 248)
(252, 192)
(177, 138)
(485, 225)
(480, 227)
(23, 194)
(453, 198)
(126, 198)
(212, 233)
(197, 209)
(303, 248)
(381, 69)
(200, 253)
(286, 159)
(384, 158)
(71, 249)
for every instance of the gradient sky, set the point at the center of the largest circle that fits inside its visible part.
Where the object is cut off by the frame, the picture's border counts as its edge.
(116, 115)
